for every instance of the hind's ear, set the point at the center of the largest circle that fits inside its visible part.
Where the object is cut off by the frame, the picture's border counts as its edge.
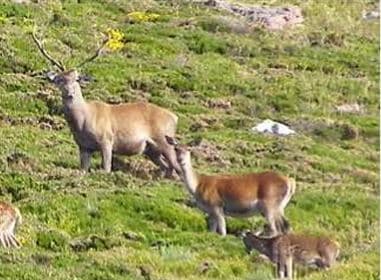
(171, 140)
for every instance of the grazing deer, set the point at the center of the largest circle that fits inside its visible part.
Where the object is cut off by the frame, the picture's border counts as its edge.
(283, 250)
(10, 219)
(236, 195)
(126, 129)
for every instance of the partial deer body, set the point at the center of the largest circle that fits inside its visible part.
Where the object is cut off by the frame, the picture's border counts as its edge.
(267, 193)
(10, 219)
(126, 129)
(283, 250)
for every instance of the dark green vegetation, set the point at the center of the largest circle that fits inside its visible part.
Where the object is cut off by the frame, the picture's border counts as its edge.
(131, 224)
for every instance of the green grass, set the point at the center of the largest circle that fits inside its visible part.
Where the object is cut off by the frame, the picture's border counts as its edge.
(132, 225)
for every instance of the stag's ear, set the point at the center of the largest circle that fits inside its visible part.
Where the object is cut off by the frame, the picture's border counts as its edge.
(51, 76)
(171, 140)
(84, 79)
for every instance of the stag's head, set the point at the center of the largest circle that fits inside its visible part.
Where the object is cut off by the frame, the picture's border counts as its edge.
(68, 81)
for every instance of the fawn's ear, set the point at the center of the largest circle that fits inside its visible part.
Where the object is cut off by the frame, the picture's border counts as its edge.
(244, 233)
(171, 140)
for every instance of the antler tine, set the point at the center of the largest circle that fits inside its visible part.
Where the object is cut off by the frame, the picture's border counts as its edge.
(98, 52)
(45, 53)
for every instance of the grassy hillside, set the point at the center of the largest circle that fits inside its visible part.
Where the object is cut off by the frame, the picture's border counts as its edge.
(131, 224)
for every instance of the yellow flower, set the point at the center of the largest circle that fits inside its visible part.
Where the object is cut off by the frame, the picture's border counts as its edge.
(142, 16)
(115, 38)
(114, 45)
(115, 34)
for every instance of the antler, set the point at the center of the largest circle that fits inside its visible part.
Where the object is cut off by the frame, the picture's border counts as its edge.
(98, 52)
(45, 53)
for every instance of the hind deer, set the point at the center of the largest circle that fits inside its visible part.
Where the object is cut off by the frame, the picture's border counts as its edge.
(10, 219)
(126, 129)
(283, 250)
(267, 193)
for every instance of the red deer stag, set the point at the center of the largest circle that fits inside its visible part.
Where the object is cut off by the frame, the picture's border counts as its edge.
(126, 129)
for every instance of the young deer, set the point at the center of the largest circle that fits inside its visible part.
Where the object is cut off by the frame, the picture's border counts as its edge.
(236, 195)
(126, 129)
(10, 219)
(283, 250)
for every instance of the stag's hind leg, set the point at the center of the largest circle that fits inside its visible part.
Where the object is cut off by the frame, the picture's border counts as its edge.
(85, 158)
(155, 156)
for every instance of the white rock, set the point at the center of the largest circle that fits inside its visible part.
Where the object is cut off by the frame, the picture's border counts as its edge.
(349, 108)
(273, 127)
(371, 15)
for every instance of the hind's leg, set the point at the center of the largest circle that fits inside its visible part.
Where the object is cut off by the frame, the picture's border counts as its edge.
(212, 223)
(221, 223)
(271, 228)
(11, 241)
(106, 151)
(2, 240)
(17, 243)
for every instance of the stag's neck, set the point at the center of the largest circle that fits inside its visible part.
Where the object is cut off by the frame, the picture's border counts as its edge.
(76, 112)
(74, 103)
(190, 177)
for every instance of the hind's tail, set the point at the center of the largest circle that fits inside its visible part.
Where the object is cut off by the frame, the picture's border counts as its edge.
(292, 186)
(289, 192)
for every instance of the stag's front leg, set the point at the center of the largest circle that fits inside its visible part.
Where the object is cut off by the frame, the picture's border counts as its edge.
(106, 151)
(85, 157)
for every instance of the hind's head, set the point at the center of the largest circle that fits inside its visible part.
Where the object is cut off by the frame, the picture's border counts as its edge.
(183, 152)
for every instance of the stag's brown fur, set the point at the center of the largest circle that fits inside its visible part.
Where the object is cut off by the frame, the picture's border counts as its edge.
(237, 195)
(283, 250)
